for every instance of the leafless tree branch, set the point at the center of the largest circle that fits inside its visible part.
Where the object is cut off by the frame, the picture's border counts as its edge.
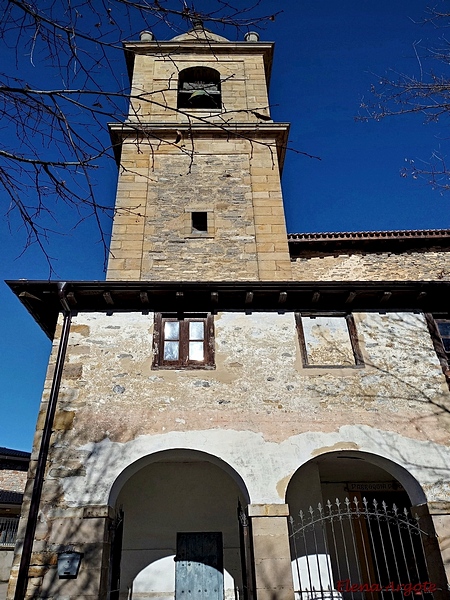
(61, 87)
(427, 94)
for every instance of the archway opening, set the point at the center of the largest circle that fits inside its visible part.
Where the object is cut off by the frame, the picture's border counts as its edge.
(181, 532)
(354, 531)
(199, 87)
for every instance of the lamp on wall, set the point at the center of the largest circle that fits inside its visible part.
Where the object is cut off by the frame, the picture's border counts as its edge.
(69, 564)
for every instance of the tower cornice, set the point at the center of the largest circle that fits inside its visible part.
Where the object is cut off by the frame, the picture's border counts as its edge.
(174, 48)
(255, 132)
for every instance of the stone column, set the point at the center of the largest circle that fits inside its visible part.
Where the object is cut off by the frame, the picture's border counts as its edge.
(271, 552)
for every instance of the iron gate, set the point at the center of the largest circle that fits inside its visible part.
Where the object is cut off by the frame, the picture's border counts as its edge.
(358, 550)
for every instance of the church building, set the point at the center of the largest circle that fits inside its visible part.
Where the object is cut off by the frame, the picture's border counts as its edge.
(236, 413)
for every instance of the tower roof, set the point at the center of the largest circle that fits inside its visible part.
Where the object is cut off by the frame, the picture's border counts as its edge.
(199, 34)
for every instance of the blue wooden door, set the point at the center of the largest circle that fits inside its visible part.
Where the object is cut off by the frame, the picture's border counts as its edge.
(199, 566)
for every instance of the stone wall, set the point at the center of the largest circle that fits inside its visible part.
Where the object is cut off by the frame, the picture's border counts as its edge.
(235, 182)
(413, 266)
(260, 414)
(13, 481)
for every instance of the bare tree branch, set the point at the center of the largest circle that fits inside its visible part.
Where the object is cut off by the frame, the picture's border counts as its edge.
(62, 84)
(427, 94)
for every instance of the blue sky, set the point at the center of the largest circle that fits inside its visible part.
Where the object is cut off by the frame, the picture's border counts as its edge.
(327, 56)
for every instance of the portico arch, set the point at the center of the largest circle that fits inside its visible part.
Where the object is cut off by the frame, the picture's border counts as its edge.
(354, 519)
(179, 505)
(175, 454)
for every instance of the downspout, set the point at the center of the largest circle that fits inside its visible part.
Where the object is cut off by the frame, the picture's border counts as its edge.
(22, 577)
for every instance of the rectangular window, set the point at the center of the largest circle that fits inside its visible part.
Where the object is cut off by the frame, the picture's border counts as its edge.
(439, 328)
(183, 343)
(329, 341)
(199, 222)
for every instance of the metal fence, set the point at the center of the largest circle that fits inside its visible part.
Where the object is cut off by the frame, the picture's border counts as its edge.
(358, 550)
(8, 531)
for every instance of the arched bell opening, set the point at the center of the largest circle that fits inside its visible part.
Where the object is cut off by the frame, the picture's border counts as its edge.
(199, 87)
(359, 529)
(181, 529)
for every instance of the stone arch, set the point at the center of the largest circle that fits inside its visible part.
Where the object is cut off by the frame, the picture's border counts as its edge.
(175, 454)
(373, 501)
(348, 461)
(199, 87)
(166, 497)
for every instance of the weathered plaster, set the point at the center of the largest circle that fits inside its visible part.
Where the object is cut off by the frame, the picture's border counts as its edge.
(260, 464)
(259, 411)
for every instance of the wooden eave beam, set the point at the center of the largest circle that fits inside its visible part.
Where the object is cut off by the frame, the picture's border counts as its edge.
(46, 299)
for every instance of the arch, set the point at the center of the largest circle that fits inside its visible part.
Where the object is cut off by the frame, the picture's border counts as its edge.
(199, 87)
(352, 521)
(346, 459)
(180, 507)
(175, 454)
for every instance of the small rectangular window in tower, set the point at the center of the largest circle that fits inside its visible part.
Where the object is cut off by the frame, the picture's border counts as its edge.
(183, 343)
(328, 341)
(199, 222)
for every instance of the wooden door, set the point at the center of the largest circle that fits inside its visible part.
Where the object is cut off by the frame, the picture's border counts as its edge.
(199, 566)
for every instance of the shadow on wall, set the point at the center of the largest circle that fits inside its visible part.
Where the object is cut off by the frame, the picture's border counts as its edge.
(354, 519)
(172, 496)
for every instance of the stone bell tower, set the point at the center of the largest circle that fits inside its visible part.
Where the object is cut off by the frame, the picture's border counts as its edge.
(199, 194)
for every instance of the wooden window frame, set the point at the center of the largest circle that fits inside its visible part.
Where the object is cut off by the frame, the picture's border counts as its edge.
(443, 356)
(353, 337)
(183, 361)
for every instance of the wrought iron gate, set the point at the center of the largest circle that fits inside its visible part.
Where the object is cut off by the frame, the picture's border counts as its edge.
(353, 550)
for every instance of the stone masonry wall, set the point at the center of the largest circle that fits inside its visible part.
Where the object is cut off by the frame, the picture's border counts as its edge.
(13, 481)
(216, 184)
(236, 182)
(260, 411)
(243, 83)
(422, 266)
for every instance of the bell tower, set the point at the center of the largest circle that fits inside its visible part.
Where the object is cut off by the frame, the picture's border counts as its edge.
(199, 193)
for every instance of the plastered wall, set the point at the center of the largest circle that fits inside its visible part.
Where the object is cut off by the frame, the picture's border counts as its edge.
(258, 416)
(259, 392)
